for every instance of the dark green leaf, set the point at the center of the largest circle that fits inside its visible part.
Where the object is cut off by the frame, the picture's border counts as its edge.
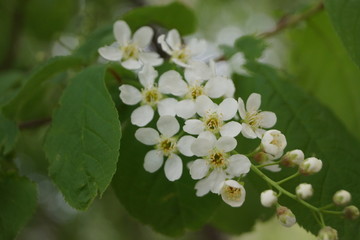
(84, 139)
(309, 126)
(10, 83)
(174, 15)
(169, 207)
(8, 134)
(18, 203)
(345, 18)
(251, 46)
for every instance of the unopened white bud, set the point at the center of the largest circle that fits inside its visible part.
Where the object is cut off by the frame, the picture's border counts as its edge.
(233, 193)
(328, 233)
(273, 142)
(268, 198)
(293, 158)
(351, 212)
(341, 198)
(285, 216)
(310, 166)
(304, 190)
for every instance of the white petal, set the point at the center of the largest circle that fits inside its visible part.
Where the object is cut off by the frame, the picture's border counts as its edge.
(193, 126)
(272, 168)
(253, 102)
(168, 125)
(231, 129)
(147, 76)
(185, 108)
(197, 46)
(184, 145)
(218, 182)
(226, 143)
(268, 119)
(122, 32)
(241, 109)
(129, 94)
(142, 37)
(110, 53)
(204, 104)
(163, 44)
(216, 87)
(209, 136)
(199, 169)
(173, 39)
(147, 136)
(238, 165)
(151, 58)
(153, 160)
(230, 88)
(228, 108)
(132, 64)
(202, 187)
(173, 167)
(171, 83)
(142, 115)
(237, 202)
(197, 72)
(247, 131)
(201, 147)
(167, 107)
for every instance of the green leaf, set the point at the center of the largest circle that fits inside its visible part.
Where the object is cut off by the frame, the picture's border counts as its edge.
(169, 207)
(83, 142)
(310, 126)
(10, 83)
(35, 86)
(251, 46)
(321, 65)
(18, 204)
(8, 134)
(345, 18)
(174, 15)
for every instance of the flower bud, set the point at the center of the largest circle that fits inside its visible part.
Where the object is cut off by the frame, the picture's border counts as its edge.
(351, 212)
(262, 157)
(273, 142)
(292, 158)
(285, 216)
(342, 198)
(268, 198)
(233, 193)
(304, 190)
(328, 233)
(310, 166)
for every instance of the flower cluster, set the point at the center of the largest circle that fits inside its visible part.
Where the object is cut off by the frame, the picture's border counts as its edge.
(199, 117)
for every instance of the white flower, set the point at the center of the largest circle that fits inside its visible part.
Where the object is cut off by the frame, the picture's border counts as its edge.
(213, 117)
(304, 190)
(253, 119)
(273, 142)
(201, 79)
(342, 198)
(310, 166)
(130, 52)
(181, 53)
(268, 198)
(166, 146)
(285, 216)
(328, 233)
(150, 97)
(293, 158)
(233, 193)
(217, 163)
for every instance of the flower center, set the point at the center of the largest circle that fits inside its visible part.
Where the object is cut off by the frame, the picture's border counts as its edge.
(130, 51)
(151, 96)
(167, 145)
(253, 119)
(276, 141)
(213, 122)
(232, 193)
(218, 159)
(182, 54)
(195, 91)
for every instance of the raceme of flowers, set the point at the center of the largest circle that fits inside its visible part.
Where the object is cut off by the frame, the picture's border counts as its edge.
(200, 118)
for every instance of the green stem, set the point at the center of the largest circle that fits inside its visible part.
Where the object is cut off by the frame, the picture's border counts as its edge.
(268, 164)
(288, 178)
(332, 212)
(327, 206)
(322, 219)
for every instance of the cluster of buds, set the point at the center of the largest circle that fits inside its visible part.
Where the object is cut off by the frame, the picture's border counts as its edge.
(194, 92)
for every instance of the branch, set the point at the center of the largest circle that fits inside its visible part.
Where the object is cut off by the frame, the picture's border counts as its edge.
(291, 21)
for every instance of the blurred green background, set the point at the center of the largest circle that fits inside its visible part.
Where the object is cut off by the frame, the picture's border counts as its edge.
(34, 30)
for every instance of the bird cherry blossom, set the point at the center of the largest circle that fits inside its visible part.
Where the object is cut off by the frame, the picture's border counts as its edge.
(254, 120)
(268, 198)
(304, 190)
(233, 193)
(131, 52)
(166, 145)
(216, 164)
(213, 117)
(181, 54)
(273, 142)
(310, 166)
(342, 198)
